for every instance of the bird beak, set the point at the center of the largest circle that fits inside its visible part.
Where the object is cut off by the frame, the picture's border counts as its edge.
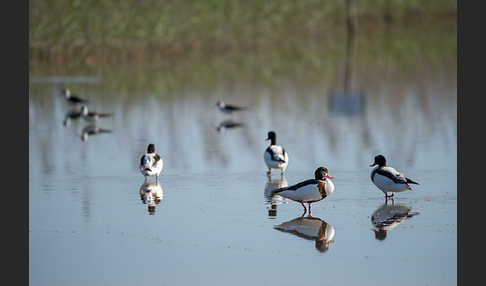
(267, 139)
(372, 165)
(329, 176)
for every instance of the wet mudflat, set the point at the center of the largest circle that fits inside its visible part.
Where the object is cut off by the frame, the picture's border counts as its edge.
(209, 220)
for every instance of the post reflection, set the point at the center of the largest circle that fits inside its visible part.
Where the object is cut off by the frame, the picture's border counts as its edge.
(389, 216)
(151, 194)
(273, 201)
(310, 228)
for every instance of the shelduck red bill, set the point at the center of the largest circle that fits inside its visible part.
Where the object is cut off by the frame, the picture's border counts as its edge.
(329, 176)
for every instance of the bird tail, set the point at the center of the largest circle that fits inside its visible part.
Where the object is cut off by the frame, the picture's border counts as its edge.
(412, 182)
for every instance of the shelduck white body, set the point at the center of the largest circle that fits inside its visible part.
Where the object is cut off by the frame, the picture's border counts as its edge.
(387, 179)
(309, 191)
(150, 163)
(275, 155)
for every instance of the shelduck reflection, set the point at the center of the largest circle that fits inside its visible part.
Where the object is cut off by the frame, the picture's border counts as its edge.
(228, 124)
(273, 201)
(72, 114)
(151, 194)
(388, 216)
(310, 228)
(90, 130)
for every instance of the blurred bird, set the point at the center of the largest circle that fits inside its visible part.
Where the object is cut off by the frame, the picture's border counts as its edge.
(72, 98)
(226, 108)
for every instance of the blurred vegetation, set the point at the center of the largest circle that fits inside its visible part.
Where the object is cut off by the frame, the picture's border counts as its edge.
(206, 41)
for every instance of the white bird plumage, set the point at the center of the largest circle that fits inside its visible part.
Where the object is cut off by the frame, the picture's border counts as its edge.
(275, 155)
(151, 163)
(387, 179)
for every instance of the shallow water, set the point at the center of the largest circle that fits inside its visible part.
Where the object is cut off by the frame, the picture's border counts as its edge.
(88, 224)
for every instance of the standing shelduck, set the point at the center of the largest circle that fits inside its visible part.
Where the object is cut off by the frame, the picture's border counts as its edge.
(150, 163)
(309, 191)
(387, 179)
(275, 155)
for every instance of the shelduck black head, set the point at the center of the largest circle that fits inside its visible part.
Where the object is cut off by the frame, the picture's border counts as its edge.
(379, 160)
(322, 173)
(151, 148)
(272, 136)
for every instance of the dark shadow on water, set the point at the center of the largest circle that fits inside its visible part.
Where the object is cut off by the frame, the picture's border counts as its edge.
(151, 194)
(273, 201)
(310, 228)
(388, 216)
(228, 124)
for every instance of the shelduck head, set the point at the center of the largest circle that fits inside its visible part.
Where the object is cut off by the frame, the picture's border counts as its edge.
(322, 173)
(151, 148)
(379, 160)
(272, 136)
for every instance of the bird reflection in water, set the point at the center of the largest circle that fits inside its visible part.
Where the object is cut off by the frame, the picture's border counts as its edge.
(228, 124)
(92, 130)
(72, 114)
(151, 194)
(275, 200)
(310, 228)
(388, 216)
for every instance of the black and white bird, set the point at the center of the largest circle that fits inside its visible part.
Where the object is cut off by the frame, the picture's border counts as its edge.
(310, 228)
(72, 98)
(92, 116)
(387, 217)
(387, 179)
(309, 191)
(275, 155)
(150, 163)
(227, 108)
(92, 130)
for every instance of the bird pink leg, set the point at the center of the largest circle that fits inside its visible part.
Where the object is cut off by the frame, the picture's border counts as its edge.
(305, 210)
(309, 208)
